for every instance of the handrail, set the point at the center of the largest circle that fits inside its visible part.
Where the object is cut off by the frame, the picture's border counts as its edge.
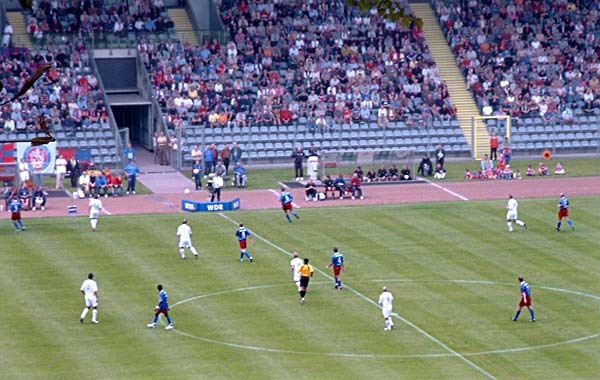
(148, 93)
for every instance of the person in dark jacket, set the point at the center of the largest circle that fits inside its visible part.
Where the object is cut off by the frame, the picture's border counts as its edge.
(74, 171)
(298, 157)
(425, 166)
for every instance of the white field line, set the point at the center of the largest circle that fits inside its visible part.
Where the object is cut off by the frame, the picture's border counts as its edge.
(283, 185)
(406, 321)
(457, 195)
(277, 195)
(106, 211)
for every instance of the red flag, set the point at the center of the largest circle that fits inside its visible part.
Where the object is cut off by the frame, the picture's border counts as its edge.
(7, 152)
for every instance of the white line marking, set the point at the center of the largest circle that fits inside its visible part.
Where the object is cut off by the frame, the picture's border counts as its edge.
(457, 195)
(283, 185)
(106, 211)
(406, 321)
(277, 195)
(345, 354)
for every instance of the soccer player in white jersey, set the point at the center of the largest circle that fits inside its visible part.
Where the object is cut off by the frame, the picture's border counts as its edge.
(385, 300)
(295, 264)
(512, 214)
(89, 289)
(184, 235)
(95, 207)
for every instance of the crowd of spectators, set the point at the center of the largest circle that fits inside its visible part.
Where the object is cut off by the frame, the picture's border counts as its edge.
(97, 16)
(68, 94)
(527, 58)
(317, 60)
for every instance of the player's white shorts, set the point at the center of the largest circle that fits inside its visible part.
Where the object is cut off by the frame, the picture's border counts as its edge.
(185, 243)
(91, 301)
(94, 215)
(511, 215)
(297, 277)
(386, 311)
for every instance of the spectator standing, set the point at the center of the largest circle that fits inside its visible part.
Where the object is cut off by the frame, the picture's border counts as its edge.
(217, 186)
(39, 198)
(131, 170)
(155, 147)
(440, 155)
(312, 151)
(61, 171)
(129, 153)
(196, 153)
(506, 151)
(208, 160)
(197, 174)
(240, 178)
(38, 179)
(355, 186)
(162, 144)
(236, 153)
(298, 157)
(225, 156)
(23, 171)
(494, 146)
(7, 36)
(174, 151)
(74, 171)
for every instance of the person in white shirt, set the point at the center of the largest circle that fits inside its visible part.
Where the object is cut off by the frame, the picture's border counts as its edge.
(217, 186)
(385, 300)
(23, 171)
(8, 32)
(512, 214)
(184, 236)
(95, 207)
(89, 289)
(61, 170)
(295, 265)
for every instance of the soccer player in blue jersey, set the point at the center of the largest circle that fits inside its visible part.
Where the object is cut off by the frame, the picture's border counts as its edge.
(242, 235)
(337, 262)
(286, 200)
(563, 212)
(162, 308)
(525, 300)
(15, 206)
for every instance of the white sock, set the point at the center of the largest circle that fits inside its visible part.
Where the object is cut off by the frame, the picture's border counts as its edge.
(84, 312)
(194, 251)
(94, 314)
(391, 321)
(520, 222)
(94, 223)
(182, 252)
(509, 224)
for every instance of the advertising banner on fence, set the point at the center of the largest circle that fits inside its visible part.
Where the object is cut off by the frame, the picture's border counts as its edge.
(38, 158)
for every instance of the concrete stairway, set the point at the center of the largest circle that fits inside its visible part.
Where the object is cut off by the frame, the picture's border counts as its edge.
(451, 74)
(20, 36)
(183, 26)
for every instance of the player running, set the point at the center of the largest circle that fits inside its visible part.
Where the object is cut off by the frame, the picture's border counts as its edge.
(306, 272)
(15, 206)
(162, 308)
(184, 236)
(89, 289)
(242, 235)
(385, 300)
(512, 214)
(286, 200)
(525, 300)
(337, 262)
(95, 206)
(563, 212)
(295, 265)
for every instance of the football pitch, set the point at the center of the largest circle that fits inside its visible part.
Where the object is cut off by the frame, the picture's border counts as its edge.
(452, 268)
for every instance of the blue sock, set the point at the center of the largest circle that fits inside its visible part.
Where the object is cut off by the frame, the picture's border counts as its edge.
(155, 318)
(247, 254)
(570, 222)
(21, 224)
(288, 218)
(295, 214)
(241, 255)
(16, 225)
(532, 314)
(169, 319)
(558, 225)
(517, 314)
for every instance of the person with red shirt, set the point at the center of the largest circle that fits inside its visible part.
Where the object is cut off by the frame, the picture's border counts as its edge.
(116, 183)
(494, 146)
(355, 186)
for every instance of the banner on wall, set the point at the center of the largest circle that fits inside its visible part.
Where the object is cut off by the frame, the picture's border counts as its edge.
(41, 157)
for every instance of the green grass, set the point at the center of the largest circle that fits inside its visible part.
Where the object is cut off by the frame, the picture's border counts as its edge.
(418, 251)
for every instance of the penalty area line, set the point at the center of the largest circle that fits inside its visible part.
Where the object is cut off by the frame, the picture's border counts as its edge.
(453, 193)
(364, 297)
(277, 195)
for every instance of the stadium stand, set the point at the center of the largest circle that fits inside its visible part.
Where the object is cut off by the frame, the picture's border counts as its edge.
(538, 62)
